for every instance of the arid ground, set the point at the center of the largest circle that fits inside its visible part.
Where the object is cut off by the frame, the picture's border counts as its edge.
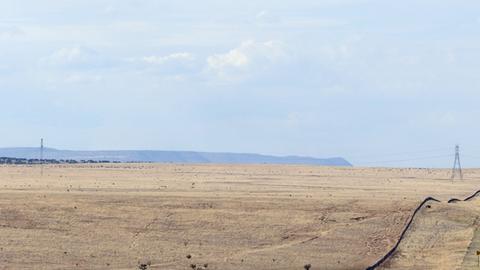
(120, 216)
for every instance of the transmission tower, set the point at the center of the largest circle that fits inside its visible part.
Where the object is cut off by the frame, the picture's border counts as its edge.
(41, 156)
(457, 168)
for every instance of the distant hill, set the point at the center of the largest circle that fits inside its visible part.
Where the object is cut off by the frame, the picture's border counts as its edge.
(168, 157)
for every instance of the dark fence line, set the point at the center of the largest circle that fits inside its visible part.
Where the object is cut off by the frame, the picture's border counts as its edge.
(407, 227)
(454, 200)
(472, 196)
(390, 253)
(466, 199)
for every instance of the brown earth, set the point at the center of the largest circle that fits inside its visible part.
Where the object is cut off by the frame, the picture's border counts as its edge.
(227, 216)
(439, 238)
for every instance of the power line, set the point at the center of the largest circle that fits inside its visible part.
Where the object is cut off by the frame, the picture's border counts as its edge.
(457, 168)
(41, 156)
(470, 156)
(402, 153)
(406, 160)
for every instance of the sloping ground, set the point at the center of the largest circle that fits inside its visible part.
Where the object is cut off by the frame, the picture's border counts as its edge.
(439, 238)
(470, 260)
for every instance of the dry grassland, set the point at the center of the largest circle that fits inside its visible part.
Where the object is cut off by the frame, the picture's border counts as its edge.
(229, 217)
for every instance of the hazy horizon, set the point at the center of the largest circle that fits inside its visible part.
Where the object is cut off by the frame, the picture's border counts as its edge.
(394, 160)
(377, 83)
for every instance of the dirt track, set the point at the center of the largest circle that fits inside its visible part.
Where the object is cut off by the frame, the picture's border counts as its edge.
(471, 259)
(231, 217)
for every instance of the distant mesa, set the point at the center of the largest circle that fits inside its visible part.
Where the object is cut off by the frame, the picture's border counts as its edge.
(166, 157)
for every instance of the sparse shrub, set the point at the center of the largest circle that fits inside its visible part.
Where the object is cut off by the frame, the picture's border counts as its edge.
(144, 266)
(307, 266)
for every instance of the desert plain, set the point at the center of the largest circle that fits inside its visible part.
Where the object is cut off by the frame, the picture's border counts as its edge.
(174, 216)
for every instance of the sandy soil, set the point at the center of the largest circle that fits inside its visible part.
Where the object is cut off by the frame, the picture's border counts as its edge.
(439, 238)
(227, 216)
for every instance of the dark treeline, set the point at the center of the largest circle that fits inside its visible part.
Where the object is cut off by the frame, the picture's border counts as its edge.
(10, 160)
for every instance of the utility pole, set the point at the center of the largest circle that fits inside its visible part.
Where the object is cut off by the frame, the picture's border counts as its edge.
(457, 168)
(41, 156)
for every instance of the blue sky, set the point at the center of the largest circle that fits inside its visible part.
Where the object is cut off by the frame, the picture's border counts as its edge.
(366, 80)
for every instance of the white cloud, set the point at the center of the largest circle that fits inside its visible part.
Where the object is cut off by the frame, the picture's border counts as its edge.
(340, 51)
(75, 57)
(172, 67)
(54, 80)
(250, 56)
(234, 58)
(70, 54)
(158, 60)
(266, 17)
(77, 78)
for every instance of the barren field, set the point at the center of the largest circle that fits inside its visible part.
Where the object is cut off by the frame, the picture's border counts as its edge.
(120, 216)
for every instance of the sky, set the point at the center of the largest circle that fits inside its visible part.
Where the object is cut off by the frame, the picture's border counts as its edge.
(381, 83)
